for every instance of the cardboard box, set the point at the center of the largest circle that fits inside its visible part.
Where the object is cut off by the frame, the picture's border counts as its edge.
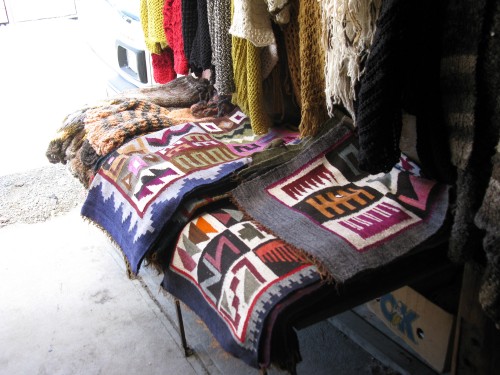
(425, 327)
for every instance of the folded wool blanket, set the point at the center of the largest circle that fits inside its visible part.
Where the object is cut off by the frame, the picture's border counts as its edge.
(346, 220)
(105, 125)
(158, 257)
(108, 127)
(180, 93)
(236, 277)
(103, 129)
(140, 186)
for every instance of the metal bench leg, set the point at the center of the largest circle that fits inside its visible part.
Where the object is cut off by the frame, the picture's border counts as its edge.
(187, 350)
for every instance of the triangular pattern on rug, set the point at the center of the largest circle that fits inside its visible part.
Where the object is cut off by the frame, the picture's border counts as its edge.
(250, 285)
(187, 262)
(205, 226)
(189, 246)
(196, 235)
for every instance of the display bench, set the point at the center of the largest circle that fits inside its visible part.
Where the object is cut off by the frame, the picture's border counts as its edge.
(348, 309)
(427, 339)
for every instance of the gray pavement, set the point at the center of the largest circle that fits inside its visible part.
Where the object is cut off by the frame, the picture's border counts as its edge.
(66, 305)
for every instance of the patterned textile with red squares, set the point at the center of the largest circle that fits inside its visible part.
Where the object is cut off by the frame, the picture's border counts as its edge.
(349, 220)
(239, 273)
(140, 186)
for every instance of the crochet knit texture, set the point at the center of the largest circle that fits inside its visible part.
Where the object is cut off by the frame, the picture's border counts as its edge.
(152, 25)
(95, 130)
(219, 16)
(251, 21)
(348, 27)
(181, 92)
(196, 34)
(459, 61)
(305, 60)
(402, 74)
(172, 23)
(163, 66)
(248, 78)
(488, 216)
(279, 10)
(378, 115)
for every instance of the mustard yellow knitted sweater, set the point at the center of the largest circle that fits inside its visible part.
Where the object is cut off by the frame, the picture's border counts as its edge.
(249, 94)
(152, 25)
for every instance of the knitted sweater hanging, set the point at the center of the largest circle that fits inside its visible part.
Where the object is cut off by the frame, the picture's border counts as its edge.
(305, 60)
(219, 17)
(196, 34)
(152, 25)
(488, 216)
(172, 23)
(402, 74)
(251, 21)
(248, 79)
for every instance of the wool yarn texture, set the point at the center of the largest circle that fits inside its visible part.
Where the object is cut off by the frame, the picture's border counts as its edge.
(111, 126)
(219, 16)
(172, 24)
(249, 95)
(93, 130)
(251, 21)
(347, 27)
(163, 66)
(180, 92)
(152, 25)
(488, 215)
(279, 10)
(378, 112)
(196, 34)
(459, 70)
(305, 60)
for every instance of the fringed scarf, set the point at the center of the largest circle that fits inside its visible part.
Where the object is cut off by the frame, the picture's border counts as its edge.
(347, 27)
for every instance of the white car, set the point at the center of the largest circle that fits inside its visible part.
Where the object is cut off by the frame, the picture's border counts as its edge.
(113, 30)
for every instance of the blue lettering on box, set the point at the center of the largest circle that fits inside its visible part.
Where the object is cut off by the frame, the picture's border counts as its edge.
(399, 315)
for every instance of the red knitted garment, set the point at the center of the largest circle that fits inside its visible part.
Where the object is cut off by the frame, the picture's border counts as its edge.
(172, 23)
(163, 66)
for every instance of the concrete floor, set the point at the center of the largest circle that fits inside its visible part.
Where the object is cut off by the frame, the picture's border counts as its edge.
(68, 308)
(66, 305)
